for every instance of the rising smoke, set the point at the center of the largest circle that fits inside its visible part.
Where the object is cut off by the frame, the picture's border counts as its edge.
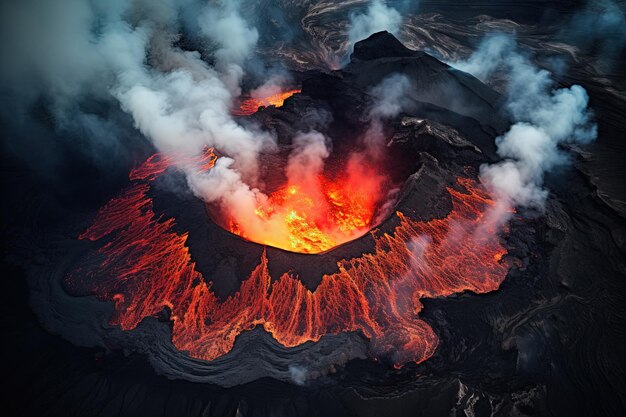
(390, 97)
(377, 17)
(74, 55)
(545, 119)
(236, 40)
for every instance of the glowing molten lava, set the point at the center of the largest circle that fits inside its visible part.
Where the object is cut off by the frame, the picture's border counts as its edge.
(315, 215)
(309, 215)
(144, 266)
(252, 104)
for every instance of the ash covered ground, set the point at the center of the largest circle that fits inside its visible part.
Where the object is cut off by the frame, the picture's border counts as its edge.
(546, 340)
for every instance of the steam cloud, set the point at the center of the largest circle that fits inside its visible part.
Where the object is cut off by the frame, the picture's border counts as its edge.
(545, 118)
(298, 374)
(390, 97)
(306, 161)
(74, 53)
(377, 18)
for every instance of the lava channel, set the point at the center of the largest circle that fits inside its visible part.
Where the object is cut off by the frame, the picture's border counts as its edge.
(251, 105)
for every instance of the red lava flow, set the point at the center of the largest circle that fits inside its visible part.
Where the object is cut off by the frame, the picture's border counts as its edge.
(251, 105)
(147, 266)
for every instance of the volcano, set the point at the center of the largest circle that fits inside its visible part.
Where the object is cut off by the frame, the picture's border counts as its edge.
(435, 238)
(337, 243)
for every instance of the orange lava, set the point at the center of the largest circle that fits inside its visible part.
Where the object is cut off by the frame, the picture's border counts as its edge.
(252, 104)
(144, 266)
(314, 216)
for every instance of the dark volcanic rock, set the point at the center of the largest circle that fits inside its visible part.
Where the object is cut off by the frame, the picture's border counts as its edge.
(415, 131)
(435, 82)
(413, 135)
(380, 45)
(423, 195)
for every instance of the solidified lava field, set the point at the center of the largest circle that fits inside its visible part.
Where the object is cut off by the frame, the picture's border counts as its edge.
(355, 208)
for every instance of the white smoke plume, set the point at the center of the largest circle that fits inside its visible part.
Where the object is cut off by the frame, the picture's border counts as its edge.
(489, 57)
(545, 118)
(306, 161)
(236, 40)
(390, 97)
(124, 54)
(225, 186)
(378, 17)
(298, 374)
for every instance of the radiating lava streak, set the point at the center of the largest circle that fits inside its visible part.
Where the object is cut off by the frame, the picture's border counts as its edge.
(252, 104)
(145, 266)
